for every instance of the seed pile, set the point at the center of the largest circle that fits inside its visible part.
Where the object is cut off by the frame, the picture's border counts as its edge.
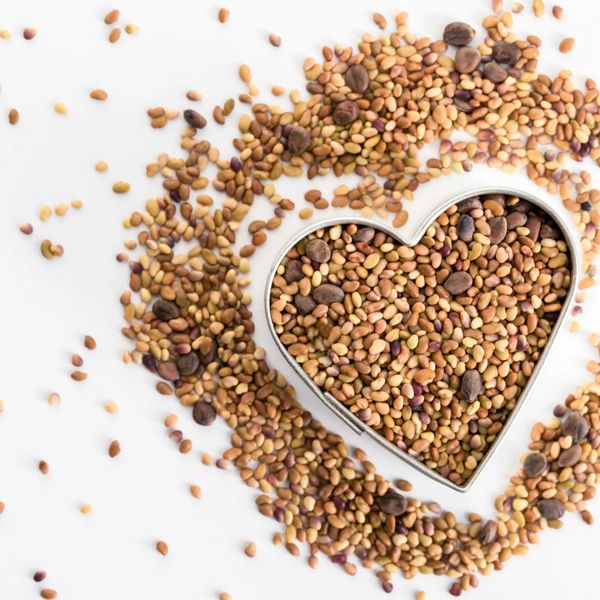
(369, 112)
(430, 346)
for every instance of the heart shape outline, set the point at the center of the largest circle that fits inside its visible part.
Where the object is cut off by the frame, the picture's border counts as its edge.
(358, 426)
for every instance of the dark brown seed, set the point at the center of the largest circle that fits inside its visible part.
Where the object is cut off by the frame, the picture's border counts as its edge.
(498, 229)
(488, 532)
(293, 271)
(298, 140)
(43, 467)
(466, 206)
(345, 112)
(470, 385)
(575, 426)
(534, 224)
(494, 72)
(204, 413)
(194, 118)
(328, 293)
(458, 282)
(114, 449)
(304, 304)
(515, 219)
(364, 235)
(458, 34)
(467, 59)
(29, 33)
(39, 576)
(506, 53)
(465, 228)
(357, 78)
(570, 456)
(318, 250)
(392, 503)
(551, 508)
(534, 464)
(168, 370)
(165, 310)
(188, 364)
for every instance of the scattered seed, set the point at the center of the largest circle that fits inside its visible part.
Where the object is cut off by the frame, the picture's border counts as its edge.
(114, 449)
(48, 594)
(13, 116)
(53, 399)
(39, 576)
(26, 228)
(85, 509)
(223, 15)
(194, 118)
(196, 491)
(101, 166)
(275, 40)
(76, 360)
(60, 108)
(43, 467)
(557, 12)
(162, 547)
(250, 550)
(131, 29)
(89, 342)
(29, 33)
(111, 407)
(567, 45)
(79, 375)
(121, 187)
(112, 17)
(98, 94)
(114, 35)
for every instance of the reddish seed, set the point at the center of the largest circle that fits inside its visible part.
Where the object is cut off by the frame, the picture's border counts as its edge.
(89, 342)
(76, 360)
(29, 33)
(112, 17)
(162, 547)
(43, 467)
(26, 228)
(39, 576)
(223, 15)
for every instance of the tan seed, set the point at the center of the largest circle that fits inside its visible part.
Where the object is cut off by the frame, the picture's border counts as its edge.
(250, 550)
(85, 509)
(196, 491)
(13, 116)
(275, 40)
(121, 187)
(112, 16)
(60, 108)
(162, 547)
(566, 45)
(98, 94)
(114, 35)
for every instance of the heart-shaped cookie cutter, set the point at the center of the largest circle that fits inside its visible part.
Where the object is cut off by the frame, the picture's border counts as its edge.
(344, 413)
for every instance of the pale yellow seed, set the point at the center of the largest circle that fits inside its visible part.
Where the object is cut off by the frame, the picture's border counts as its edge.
(574, 326)
(207, 459)
(121, 187)
(5, 34)
(1, 406)
(245, 73)
(306, 213)
(277, 90)
(60, 108)
(421, 596)
(225, 596)
(54, 398)
(111, 407)
(131, 29)
(196, 491)
(85, 509)
(61, 209)
(45, 212)
(77, 203)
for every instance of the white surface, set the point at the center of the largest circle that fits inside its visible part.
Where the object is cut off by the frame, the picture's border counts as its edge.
(47, 307)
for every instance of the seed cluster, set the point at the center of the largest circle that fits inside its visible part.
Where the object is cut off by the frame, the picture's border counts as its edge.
(432, 345)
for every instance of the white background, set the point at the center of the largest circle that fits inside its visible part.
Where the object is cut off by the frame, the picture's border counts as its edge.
(47, 307)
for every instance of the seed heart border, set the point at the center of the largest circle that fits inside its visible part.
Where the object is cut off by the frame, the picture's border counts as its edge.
(354, 422)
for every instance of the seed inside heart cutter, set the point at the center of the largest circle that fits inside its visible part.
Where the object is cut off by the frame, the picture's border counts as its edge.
(432, 345)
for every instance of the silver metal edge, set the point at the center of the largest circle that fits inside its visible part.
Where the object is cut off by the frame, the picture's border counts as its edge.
(354, 422)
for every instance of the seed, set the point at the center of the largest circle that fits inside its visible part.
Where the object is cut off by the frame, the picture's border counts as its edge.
(162, 547)
(111, 407)
(225, 596)
(357, 78)
(196, 491)
(557, 12)
(121, 187)
(345, 112)
(98, 94)
(78, 375)
(194, 118)
(275, 40)
(13, 116)
(114, 449)
(2, 507)
(506, 53)
(60, 108)
(245, 73)
(306, 213)
(298, 140)
(551, 509)
(26, 228)
(85, 509)
(575, 426)
(29, 33)
(39, 576)
(467, 59)
(534, 464)
(43, 467)
(131, 29)
(538, 8)
(48, 594)
(53, 399)
(204, 413)
(250, 550)
(488, 533)
(304, 304)
(470, 385)
(114, 35)
(458, 283)
(61, 209)
(89, 342)
(318, 250)
(328, 293)
(494, 72)
(498, 229)
(112, 17)
(458, 34)
(185, 446)
(566, 45)
(379, 20)
(193, 96)
(569, 457)
(421, 596)
(392, 503)
(101, 166)
(223, 15)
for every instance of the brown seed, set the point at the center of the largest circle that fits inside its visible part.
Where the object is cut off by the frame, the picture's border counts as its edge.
(223, 15)
(465, 228)
(506, 53)
(494, 72)
(470, 385)
(357, 79)
(168, 370)
(101, 166)
(225, 596)
(566, 45)
(498, 229)
(43, 467)
(79, 375)
(204, 413)
(250, 550)
(551, 509)
(121, 187)
(85, 509)
(245, 73)
(13, 116)
(188, 364)
(89, 342)
(114, 449)
(318, 250)
(196, 491)
(488, 533)
(112, 16)
(458, 282)
(569, 457)
(379, 20)
(114, 35)
(275, 40)
(194, 118)
(185, 446)
(345, 112)
(53, 399)
(534, 464)
(293, 271)
(2, 507)
(298, 140)
(328, 293)
(76, 360)
(29, 33)
(467, 59)
(575, 426)
(98, 94)
(39, 576)
(165, 310)
(304, 304)
(162, 547)
(458, 34)
(26, 228)
(557, 12)
(392, 503)
(48, 594)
